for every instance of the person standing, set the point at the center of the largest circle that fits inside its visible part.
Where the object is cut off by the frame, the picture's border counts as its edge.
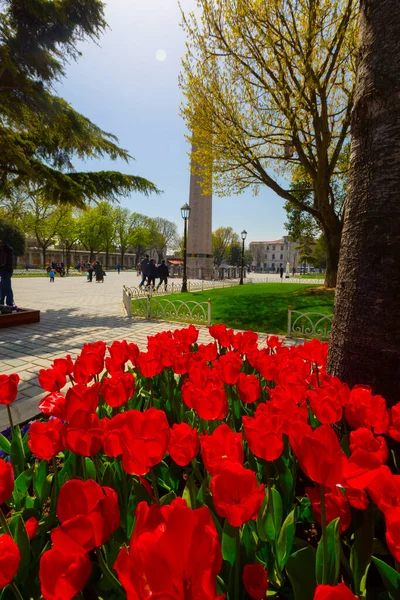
(145, 267)
(119, 268)
(6, 271)
(294, 271)
(90, 272)
(151, 273)
(52, 275)
(163, 274)
(281, 272)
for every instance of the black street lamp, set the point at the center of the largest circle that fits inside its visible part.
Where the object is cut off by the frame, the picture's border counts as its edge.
(244, 235)
(185, 212)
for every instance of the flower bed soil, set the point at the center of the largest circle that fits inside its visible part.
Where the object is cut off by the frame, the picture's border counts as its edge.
(23, 317)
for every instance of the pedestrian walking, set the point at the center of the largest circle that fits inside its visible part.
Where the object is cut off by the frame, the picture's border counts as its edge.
(163, 273)
(294, 271)
(6, 271)
(145, 267)
(151, 274)
(90, 273)
(119, 268)
(52, 275)
(281, 272)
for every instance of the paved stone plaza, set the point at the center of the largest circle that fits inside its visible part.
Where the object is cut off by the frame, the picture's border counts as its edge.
(73, 312)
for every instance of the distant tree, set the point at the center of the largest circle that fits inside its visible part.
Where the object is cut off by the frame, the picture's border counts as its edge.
(43, 221)
(235, 254)
(13, 236)
(91, 230)
(167, 236)
(123, 231)
(222, 240)
(68, 234)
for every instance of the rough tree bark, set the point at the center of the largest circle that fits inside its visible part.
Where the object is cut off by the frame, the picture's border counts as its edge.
(365, 342)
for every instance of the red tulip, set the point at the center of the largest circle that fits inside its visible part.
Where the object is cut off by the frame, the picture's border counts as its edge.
(236, 495)
(89, 515)
(116, 391)
(336, 505)
(228, 367)
(392, 519)
(248, 387)
(145, 438)
(9, 560)
(183, 444)
(53, 405)
(220, 448)
(119, 352)
(334, 592)
(63, 576)
(210, 403)
(394, 422)
(364, 439)
(8, 388)
(31, 526)
(174, 552)
(180, 363)
(133, 352)
(53, 379)
(6, 481)
(65, 365)
(84, 434)
(319, 454)
(81, 397)
(222, 335)
(357, 498)
(361, 469)
(208, 352)
(46, 439)
(255, 580)
(245, 342)
(263, 433)
(326, 404)
(273, 342)
(149, 364)
(186, 336)
(366, 410)
(81, 371)
(385, 490)
(112, 441)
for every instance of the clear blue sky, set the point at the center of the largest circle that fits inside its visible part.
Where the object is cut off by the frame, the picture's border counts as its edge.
(121, 86)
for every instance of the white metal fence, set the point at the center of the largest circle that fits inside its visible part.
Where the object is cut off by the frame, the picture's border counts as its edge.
(150, 307)
(309, 325)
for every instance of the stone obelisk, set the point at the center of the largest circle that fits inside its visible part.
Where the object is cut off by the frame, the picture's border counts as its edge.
(200, 262)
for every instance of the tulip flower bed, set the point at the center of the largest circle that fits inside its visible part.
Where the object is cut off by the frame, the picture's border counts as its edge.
(197, 472)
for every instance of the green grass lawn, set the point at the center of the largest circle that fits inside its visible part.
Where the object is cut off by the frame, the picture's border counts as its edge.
(261, 306)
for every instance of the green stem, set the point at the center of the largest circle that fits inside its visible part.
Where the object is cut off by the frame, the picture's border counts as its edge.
(97, 467)
(4, 523)
(324, 536)
(237, 565)
(10, 419)
(84, 467)
(106, 569)
(197, 471)
(155, 486)
(16, 591)
(192, 492)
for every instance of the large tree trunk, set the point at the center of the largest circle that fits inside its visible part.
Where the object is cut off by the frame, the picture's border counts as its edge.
(44, 253)
(333, 241)
(365, 341)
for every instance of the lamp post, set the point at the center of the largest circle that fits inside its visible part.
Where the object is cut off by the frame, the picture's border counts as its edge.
(185, 212)
(244, 235)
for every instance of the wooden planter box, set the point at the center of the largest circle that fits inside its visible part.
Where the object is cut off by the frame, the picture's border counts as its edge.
(24, 317)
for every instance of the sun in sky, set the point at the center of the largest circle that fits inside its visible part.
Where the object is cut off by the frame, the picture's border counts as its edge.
(161, 55)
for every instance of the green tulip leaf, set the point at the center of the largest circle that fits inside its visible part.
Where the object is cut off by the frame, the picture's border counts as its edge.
(300, 569)
(229, 534)
(390, 578)
(17, 452)
(5, 444)
(333, 566)
(286, 539)
(361, 551)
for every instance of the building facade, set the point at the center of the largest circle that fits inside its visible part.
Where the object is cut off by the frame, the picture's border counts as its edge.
(270, 256)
